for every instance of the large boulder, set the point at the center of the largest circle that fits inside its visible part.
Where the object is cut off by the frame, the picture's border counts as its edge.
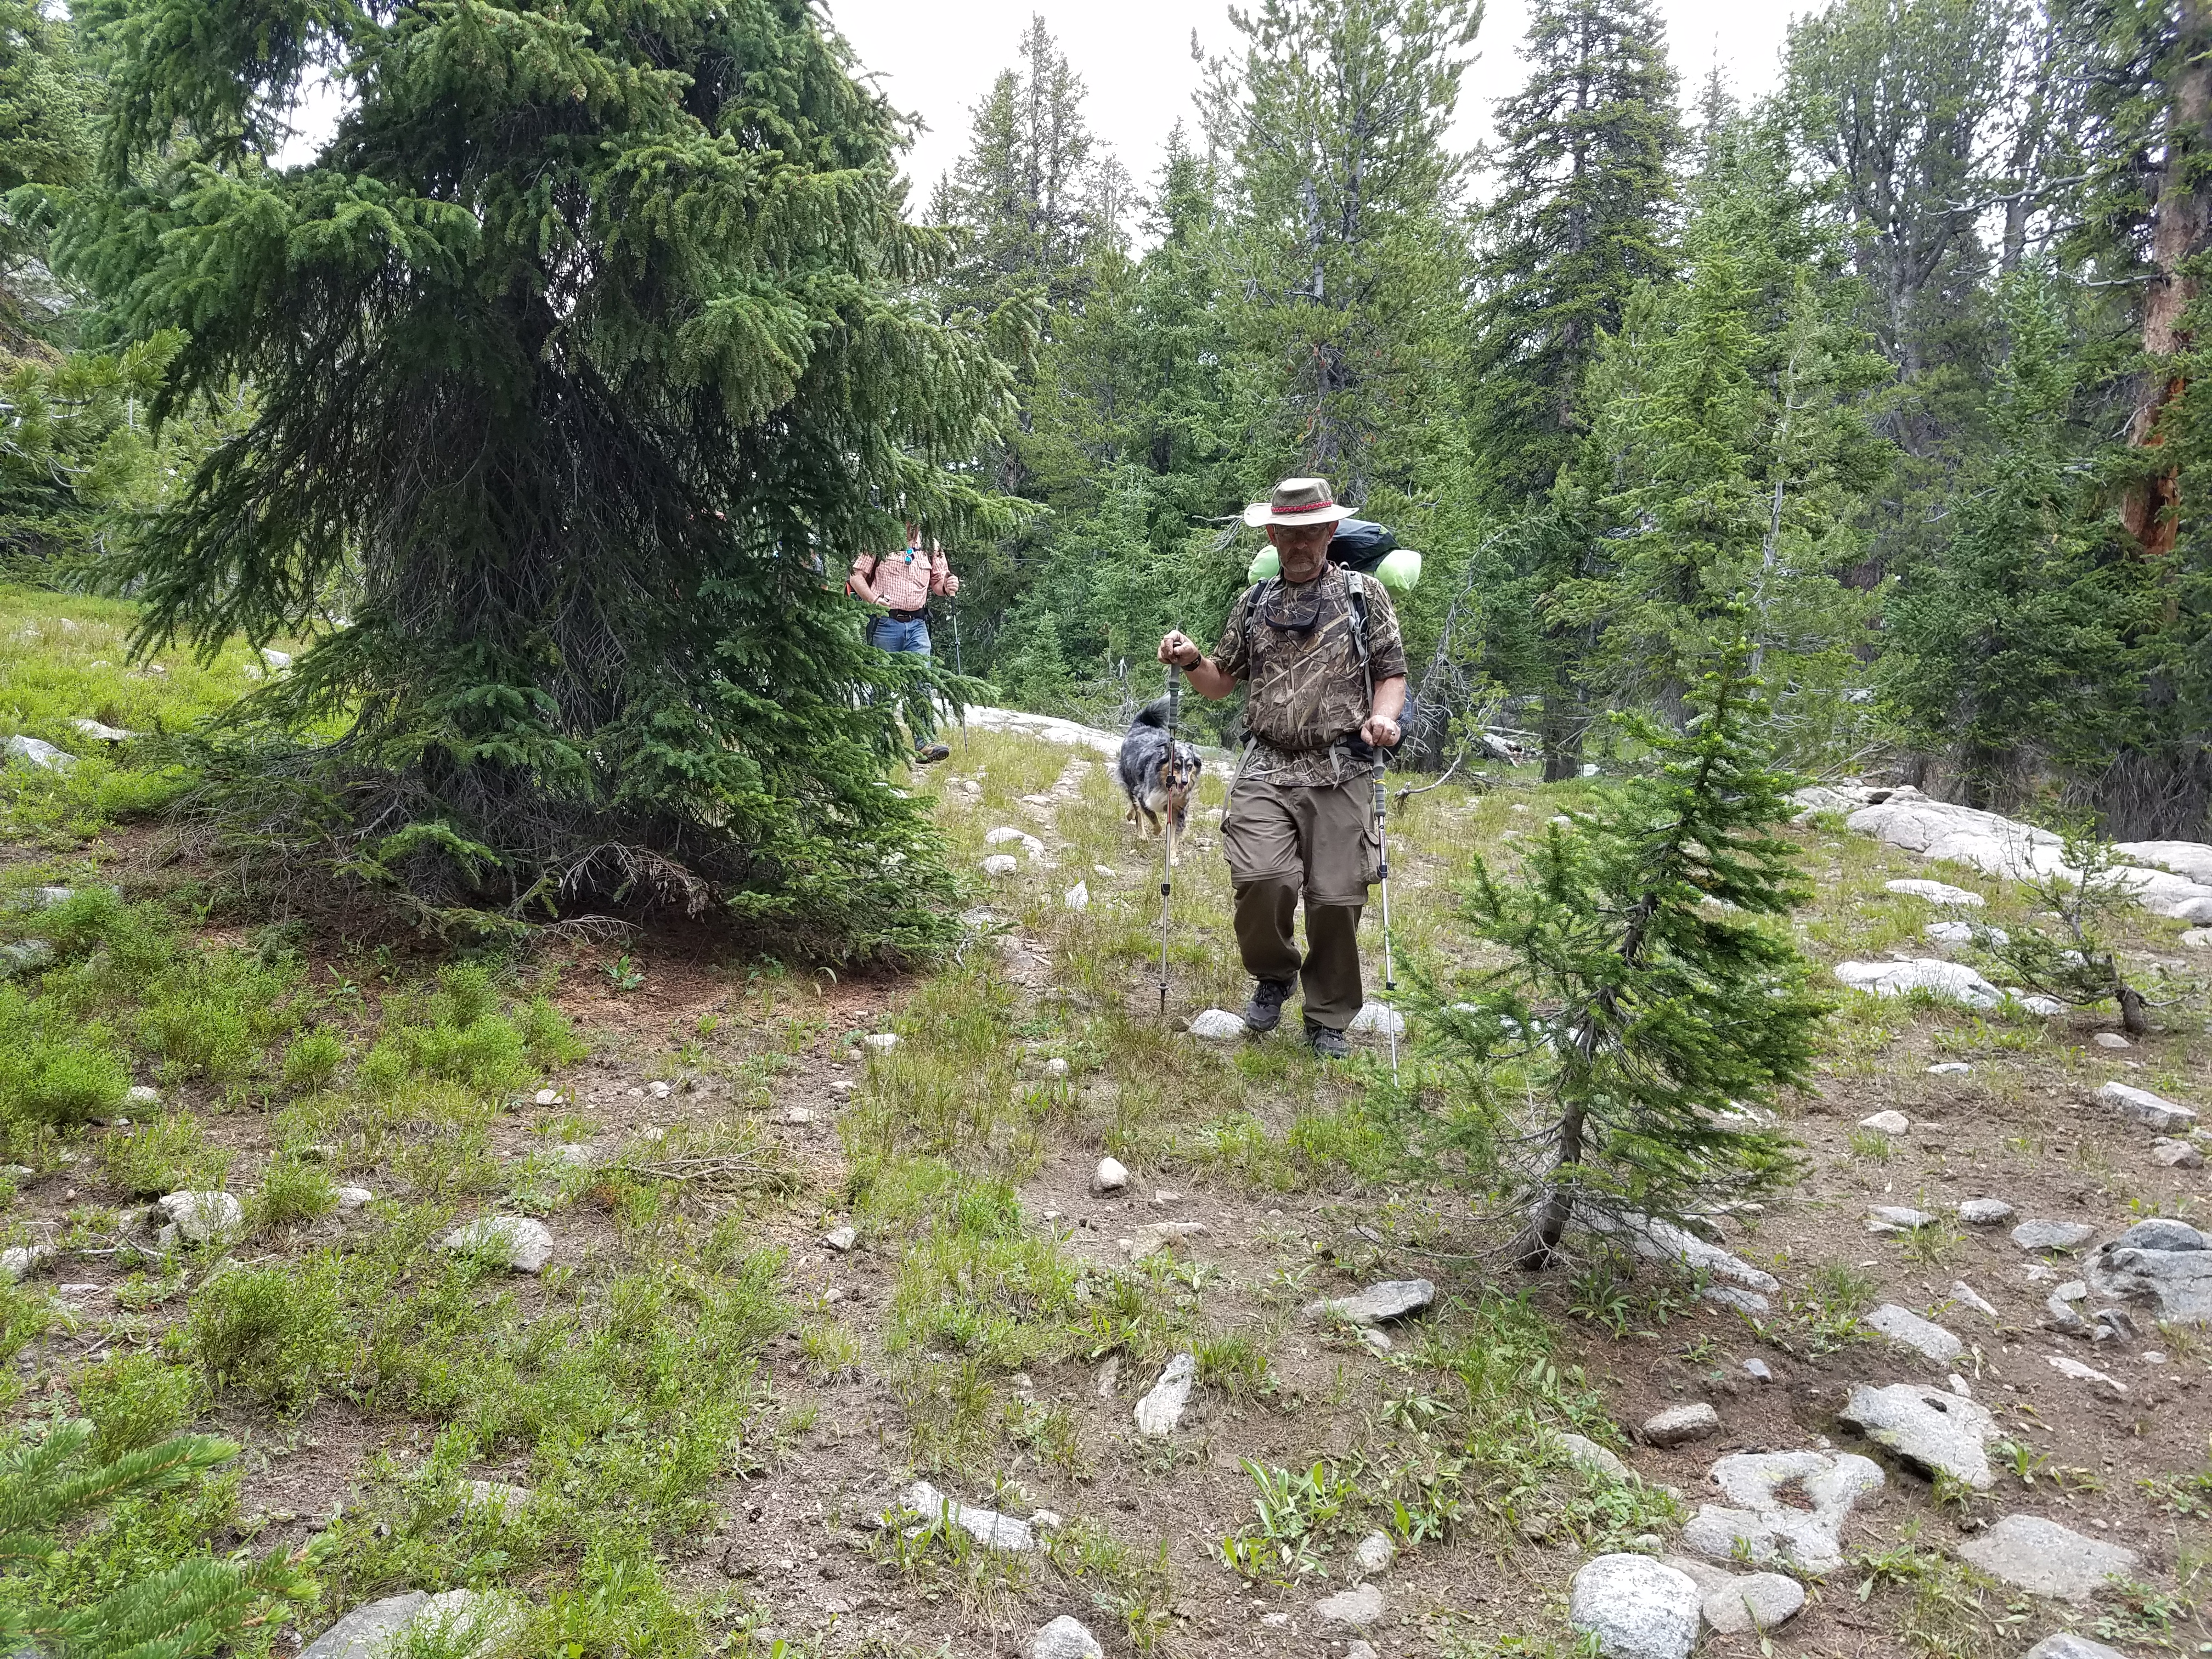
(1637, 1608)
(1952, 982)
(1787, 1508)
(1941, 1433)
(2045, 1559)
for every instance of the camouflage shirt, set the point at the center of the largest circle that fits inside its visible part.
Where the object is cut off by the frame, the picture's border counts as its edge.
(1294, 646)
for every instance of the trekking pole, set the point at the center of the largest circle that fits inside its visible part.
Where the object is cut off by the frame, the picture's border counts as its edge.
(1167, 857)
(1389, 971)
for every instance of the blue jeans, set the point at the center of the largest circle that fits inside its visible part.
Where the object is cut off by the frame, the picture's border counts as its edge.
(890, 634)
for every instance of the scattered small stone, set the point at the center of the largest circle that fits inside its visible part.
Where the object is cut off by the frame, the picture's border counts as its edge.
(1937, 892)
(1734, 1295)
(1636, 1607)
(1359, 1650)
(1986, 1212)
(1949, 1068)
(1753, 1602)
(1110, 1177)
(2052, 1235)
(1055, 1068)
(2197, 938)
(1930, 1428)
(1908, 1329)
(2067, 1645)
(1680, 1425)
(140, 1094)
(2045, 1559)
(204, 1218)
(988, 1527)
(1889, 1123)
(2173, 1154)
(546, 1097)
(514, 1242)
(2140, 1106)
(1758, 1369)
(882, 1041)
(275, 658)
(2167, 1262)
(1896, 1218)
(2037, 1004)
(1591, 1458)
(1662, 1241)
(1065, 1638)
(1161, 1407)
(1356, 1608)
(1379, 1019)
(1218, 1025)
(1376, 1304)
(841, 1086)
(1949, 932)
(1000, 865)
(657, 1089)
(1373, 1555)
(494, 1498)
(840, 1239)
(2111, 1040)
(30, 955)
(460, 1624)
(1162, 1235)
(574, 1154)
(1110, 1376)
(353, 1198)
(1376, 1340)
(795, 1115)
(1804, 1529)
(97, 732)
(2089, 1374)
(1163, 1197)
(1077, 897)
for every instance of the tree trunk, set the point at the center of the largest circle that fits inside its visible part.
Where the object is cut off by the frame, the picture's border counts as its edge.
(2133, 1020)
(1561, 725)
(2177, 233)
(1536, 1247)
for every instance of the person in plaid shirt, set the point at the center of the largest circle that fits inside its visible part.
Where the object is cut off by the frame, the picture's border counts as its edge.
(902, 581)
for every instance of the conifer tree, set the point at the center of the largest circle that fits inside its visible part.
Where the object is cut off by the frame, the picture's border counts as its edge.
(587, 353)
(1647, 996)
(1579, 221)
(45, 138)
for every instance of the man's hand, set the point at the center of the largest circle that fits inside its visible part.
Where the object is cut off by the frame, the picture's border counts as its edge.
(1182, 650)
(951, 585)
(1381, 730)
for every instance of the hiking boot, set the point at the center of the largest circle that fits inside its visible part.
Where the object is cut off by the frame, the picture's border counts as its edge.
(1265, 1011)
(931, 751)
(1326, 1044)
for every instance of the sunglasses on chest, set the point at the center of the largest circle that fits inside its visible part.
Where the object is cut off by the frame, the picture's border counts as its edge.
(1297, 617)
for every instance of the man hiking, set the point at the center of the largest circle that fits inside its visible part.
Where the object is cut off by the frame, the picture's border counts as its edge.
(1320, 645)
(902, 583)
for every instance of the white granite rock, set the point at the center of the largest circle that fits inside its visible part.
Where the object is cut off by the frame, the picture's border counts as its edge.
(88, 727)
(1967, 1297)
(1159, 1236)
(142, 1094)
(353, 1197)
(1218, 1025)
(1161, 1407)
(1662, 1241)
(1077, 897)
(1950, 1068)
(367, 1630)
(988, 1527)
(1000, 865)
(2172, 1154)
(1891, 1123)
(1379, 1019)
(1636, 1606)
(2045, 1559)
(2052, 1235)
(1753, 1602)
(460, 1623)
(1896, 1218)
(1392, 1299)
(1591, 1458)
(518, 1243)
(205, 1218)
(1065, 1638)
(2166, 1263)
(18, 1261)
(1985, 1212)
(1372, 1555)
(1110, 1177)
(840, 1238)
(40, 753)
(1680, 1425)
(1930, 1428)
(2065, 1645)
(1951, 982)
(1908, 1329)
(1356, 1608)
(496, 1497)
(2065, 1366)
(882, 1041)
(1937, 892)
(2140, 1106)
(1803, 1529)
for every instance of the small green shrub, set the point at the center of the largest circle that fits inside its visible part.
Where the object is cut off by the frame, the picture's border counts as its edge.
(134, 1399)
(293, 1190)
(275, 1332)
(167, 1155)
(52, 1070)
(312, 1061)
(547, 1034)
(212, 1015)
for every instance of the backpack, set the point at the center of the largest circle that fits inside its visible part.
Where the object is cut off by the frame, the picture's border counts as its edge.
(1370, 549)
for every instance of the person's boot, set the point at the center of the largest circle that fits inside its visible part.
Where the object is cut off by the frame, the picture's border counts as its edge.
(1265, 1011)
(931, 751)
(1326, 1043)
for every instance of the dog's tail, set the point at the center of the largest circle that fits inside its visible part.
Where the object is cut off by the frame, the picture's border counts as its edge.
(1153, 714)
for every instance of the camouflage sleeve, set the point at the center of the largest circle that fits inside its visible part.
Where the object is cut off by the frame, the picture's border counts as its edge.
(1230, 656)
(1386, 646)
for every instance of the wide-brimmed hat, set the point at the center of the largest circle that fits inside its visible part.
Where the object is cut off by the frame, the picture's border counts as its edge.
(1297, 501)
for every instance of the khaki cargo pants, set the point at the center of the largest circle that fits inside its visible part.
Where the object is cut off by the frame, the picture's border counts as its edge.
(1318, 840)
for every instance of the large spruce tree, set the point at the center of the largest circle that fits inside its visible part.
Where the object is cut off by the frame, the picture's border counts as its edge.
(583, 357)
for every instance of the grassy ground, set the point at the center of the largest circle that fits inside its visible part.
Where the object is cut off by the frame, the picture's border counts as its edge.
(710, 1404)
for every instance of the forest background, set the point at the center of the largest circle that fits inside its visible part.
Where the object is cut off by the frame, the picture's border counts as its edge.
(1902, 357)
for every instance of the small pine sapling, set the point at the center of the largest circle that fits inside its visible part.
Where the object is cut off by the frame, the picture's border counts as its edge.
(2072, 960)
(1646, 999)
(49, 1483)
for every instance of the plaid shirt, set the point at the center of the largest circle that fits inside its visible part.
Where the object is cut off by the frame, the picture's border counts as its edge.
(902, 579)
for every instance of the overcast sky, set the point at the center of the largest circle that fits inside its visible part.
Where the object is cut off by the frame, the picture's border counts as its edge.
(937, 60)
